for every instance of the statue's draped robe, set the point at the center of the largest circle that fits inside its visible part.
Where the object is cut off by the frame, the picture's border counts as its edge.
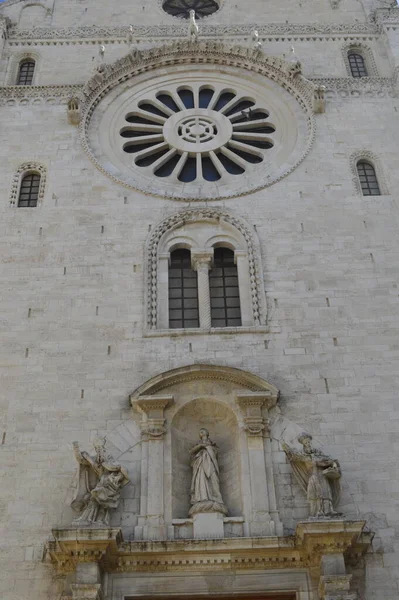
(308, 470)
(205, 486)
(101, 483)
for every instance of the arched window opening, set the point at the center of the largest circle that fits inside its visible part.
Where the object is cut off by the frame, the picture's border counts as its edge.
(357, 64)
(368, 179)
(183, 291)
(26, 72)
(224, 290)
(29, 190)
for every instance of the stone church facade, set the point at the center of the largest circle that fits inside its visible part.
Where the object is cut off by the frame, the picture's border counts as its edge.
(199, 299)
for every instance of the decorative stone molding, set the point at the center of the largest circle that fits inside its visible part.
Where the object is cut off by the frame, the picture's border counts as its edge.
(5, 24)
(375, 161)
(152, 411)
(26, 169)
(388, 17)
(365, 51)
(304, 550)
(298, 95)
(36, 95)
(336, 587)
(94, 34)
(251, 405)
(243, 380)
(352, 88)
(87, 591)
(190, 216)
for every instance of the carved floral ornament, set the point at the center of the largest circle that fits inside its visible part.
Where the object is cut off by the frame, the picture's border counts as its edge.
(269, 113)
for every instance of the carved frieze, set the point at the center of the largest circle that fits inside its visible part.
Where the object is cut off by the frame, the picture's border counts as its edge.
(305, 549)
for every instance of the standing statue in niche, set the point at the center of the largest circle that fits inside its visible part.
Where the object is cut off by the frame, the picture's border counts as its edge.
(318, 475)
(205, 486)
(99, 488)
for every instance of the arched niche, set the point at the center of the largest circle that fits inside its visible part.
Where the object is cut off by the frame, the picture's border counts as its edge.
(233, 405)
(221, 422)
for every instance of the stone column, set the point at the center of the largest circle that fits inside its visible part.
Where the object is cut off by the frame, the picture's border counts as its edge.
(151, 521)
(257, 427)
(201, 262)
(247, 316)
(163, 291)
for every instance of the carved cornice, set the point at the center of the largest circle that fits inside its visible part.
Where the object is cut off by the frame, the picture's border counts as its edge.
(336, 87)
(242, 379)
(304, 550)
(164, 33)
(37, 95)
(389, 17)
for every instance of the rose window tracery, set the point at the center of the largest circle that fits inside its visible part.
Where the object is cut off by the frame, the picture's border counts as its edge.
(181, 8)
(197, 133)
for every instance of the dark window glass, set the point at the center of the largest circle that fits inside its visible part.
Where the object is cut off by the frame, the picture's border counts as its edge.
(223, 282)
(357, 65)
(368, 179)
(183, 291)
(29, 191)
(25, 73)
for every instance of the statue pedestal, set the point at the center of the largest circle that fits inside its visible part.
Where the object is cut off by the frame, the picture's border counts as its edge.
(208, 525)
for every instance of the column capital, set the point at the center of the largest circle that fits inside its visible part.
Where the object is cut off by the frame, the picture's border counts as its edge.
(336, 587)
(251, 404)
(201, 260)
(152, 410)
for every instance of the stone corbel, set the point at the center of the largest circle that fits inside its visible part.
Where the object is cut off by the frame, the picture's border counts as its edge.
(319, 99)
(334, 582)
(152, 410)
(74, 111)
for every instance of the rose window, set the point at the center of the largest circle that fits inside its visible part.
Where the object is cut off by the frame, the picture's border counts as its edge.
(181, 8)
(194, 132)
(197, 133)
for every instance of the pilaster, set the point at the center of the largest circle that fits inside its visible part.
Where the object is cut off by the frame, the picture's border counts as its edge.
(151, 523)
(255, 407)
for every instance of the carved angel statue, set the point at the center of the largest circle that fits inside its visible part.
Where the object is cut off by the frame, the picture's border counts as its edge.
(99, 487)
(193, 27)
(205, 485)
(318, 475)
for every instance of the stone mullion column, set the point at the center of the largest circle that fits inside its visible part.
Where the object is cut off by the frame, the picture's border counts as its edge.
(256, 426)
(244, 286)
(201, 263)
(151, 520)
(163, 291)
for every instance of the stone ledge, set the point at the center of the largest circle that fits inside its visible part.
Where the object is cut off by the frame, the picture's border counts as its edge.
(303, 550)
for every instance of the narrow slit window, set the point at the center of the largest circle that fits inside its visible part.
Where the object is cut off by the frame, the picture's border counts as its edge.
(29, 190)
(357, 65)
(183, 291)
(224, 290)
(368, 179)
(26, 72)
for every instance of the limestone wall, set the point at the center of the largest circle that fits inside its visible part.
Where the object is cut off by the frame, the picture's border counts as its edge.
(72, 301)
